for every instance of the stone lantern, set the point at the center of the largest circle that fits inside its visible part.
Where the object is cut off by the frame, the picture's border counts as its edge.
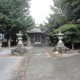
(20, 43)
(78, 21)
(60, 45)
(60, 37)
(20, 50)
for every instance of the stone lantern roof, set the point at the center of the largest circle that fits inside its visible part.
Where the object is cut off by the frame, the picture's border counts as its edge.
(35, 30)
(60, 34)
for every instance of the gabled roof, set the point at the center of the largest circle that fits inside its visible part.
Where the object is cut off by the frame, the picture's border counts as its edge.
(35, 30)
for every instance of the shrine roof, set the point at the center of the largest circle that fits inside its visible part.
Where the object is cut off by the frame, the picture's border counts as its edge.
(35, 30)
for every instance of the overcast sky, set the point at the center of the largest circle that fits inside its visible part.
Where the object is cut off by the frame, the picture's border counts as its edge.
(40, 9)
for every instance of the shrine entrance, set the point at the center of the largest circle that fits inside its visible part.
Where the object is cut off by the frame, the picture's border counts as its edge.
(38, 38)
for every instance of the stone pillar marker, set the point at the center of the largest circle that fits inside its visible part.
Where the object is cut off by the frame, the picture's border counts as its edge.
(0, 44)
(1, 36)
(9, 43)
(28, 42)
(47, 41)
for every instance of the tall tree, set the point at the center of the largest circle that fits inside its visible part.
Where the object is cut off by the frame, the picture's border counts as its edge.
(64, 17)
(14, 16)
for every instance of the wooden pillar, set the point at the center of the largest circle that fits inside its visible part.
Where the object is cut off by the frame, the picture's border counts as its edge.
(34, 38)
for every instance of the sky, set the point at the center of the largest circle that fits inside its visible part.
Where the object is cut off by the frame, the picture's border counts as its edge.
(40, 9)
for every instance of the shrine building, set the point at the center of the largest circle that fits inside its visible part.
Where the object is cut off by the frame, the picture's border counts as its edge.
(37, 36)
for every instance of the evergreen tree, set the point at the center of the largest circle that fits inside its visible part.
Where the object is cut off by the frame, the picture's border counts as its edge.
(14, 16)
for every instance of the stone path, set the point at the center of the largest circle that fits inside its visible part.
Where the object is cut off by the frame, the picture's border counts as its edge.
(44, 67)
(40, 66)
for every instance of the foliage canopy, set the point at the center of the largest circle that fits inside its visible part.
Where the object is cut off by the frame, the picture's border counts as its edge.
(64, 18)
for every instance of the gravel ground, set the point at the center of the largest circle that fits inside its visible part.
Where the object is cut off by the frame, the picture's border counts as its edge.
(6, 64)
(18, 70)
(42, 66)
(39, 64)
(12, 67)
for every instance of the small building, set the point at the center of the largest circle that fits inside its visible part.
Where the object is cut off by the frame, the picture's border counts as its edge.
(37, 36)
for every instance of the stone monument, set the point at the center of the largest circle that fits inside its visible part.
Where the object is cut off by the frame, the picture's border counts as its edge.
(60, 48)
(47, 41)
